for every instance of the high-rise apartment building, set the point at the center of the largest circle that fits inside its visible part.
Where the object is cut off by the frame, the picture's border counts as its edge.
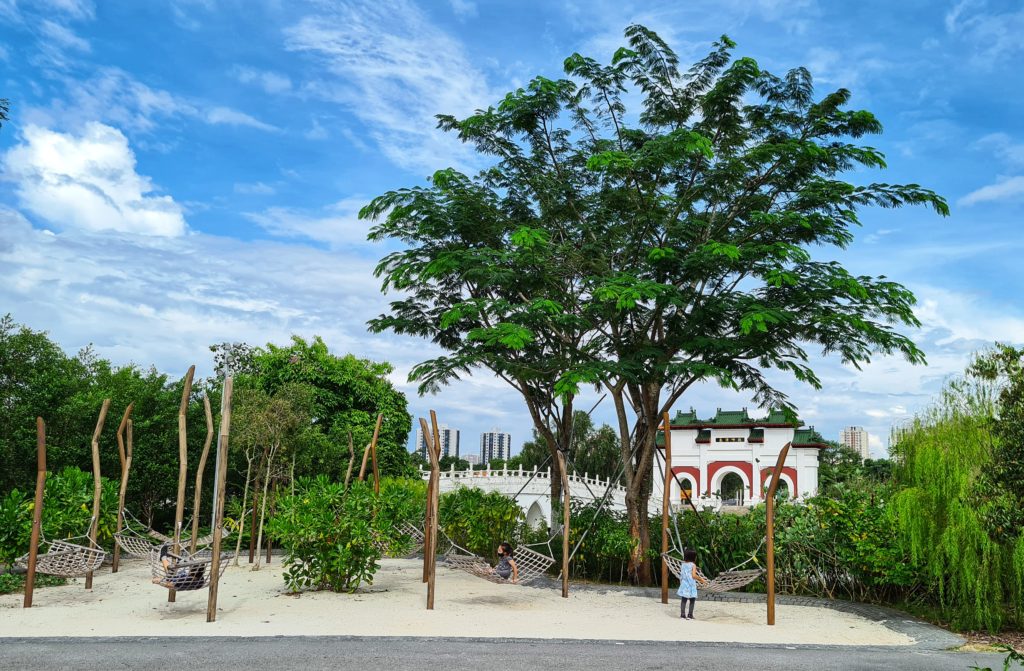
(449, 442)
(856, 438)
(495, 444)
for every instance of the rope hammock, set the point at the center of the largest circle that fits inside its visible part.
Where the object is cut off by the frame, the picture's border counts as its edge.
(408, 541)
(725, 581)
(186, 572)
(65, 559)
(139, 544)
(530, 564)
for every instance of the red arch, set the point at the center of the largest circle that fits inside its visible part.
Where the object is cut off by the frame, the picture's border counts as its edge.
(694, 474)
(786, 470)
(743, 466)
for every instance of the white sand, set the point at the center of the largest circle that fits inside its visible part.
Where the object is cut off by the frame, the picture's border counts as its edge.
(257, 604)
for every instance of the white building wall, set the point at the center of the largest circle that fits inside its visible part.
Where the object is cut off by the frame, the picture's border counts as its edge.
(687, 452)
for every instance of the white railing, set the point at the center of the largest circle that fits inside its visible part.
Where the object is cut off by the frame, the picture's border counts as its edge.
(488, 475)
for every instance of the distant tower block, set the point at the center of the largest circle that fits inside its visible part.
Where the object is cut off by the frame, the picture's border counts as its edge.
(494, 445)
(856, 438)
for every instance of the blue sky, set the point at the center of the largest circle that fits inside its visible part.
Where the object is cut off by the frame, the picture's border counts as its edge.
(183, 172)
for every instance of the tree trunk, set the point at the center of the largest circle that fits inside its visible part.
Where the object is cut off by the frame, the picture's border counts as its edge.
(245, 499)
(263, 506)
(639, 569)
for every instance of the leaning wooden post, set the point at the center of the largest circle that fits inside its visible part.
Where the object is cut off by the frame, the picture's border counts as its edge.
(565, 524)
(428, 548)
(179, 511)
(126, 463)
(666, 500)
(351, 460)
(97, 484)
(435, 477)
(373, 454)
(37, 511)
(197, 502)
(218, 500)
(366, 461)
(770, 534)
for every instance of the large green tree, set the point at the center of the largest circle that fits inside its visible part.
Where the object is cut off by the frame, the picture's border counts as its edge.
(347, 394)
(644, 251)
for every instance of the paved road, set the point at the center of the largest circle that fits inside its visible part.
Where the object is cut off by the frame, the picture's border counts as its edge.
(412, 654)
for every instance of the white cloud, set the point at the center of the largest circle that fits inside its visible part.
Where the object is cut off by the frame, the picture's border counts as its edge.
(463, 8)
(394, 70)
(271, 82)
(1009, 188)
(316, 132)
(232, 117)
(88, 181)
(994, 36)
(1003, 146)
(62, 36)
(73, 9)
(254, 189)
(339, 224)
(115, 97)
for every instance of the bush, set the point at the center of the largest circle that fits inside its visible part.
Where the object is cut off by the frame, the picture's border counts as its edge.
(604, 552)
(401, 501)
(479, 521)
(67, 511)
(327, 535)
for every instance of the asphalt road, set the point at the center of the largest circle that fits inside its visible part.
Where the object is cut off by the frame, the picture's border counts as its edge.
(412, 654)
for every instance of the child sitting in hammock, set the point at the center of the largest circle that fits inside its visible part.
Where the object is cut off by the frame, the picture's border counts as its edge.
(177, 578)
(506, 567)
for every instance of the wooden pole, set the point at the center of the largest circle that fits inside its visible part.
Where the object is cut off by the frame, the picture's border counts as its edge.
(770, 533)
(97, 484)
(666, 501)
(252, 525)
(373, 454)
(196, 501)
(366, 460)
(179, 511)
(565, 524)
(351, 459)
(218, 505)
(428, 549)
(435, 476)
(37, 511)
(126, 463)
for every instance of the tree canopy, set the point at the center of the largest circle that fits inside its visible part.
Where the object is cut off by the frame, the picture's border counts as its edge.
(645, 250)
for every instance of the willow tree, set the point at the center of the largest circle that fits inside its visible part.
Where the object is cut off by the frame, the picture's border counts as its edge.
(651, 248)
(943, 509)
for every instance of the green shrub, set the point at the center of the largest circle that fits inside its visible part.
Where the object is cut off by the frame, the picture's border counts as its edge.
(401, 501)
(67, 511)
(327, 535)
(604, 552)
(479, 521)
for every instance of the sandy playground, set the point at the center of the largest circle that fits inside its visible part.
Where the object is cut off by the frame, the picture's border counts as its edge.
(256, 603)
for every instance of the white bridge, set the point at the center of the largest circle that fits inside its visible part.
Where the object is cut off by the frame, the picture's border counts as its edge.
(534, 489)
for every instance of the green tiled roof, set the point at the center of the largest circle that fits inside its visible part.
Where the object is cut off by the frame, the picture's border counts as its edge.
(731, 417)
(808, 436)
(775, 417)
(683, 418)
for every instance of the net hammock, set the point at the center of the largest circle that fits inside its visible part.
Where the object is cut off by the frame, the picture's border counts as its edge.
(530, 564)
(138, 541)
(725, 581)
(185, 572)
(66, 559)
(408, 542)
